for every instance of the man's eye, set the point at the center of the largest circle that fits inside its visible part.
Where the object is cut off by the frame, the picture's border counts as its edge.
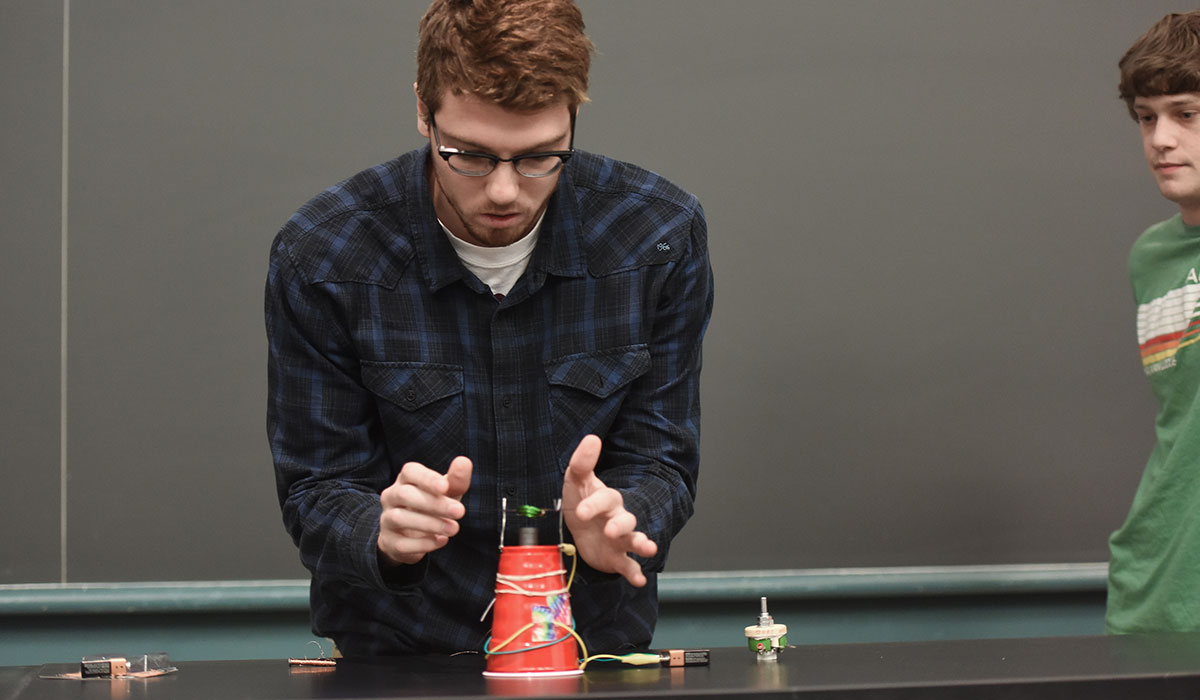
(472, 161)
(539, 163)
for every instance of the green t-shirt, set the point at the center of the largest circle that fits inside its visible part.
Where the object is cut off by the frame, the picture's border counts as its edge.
(1154, 571)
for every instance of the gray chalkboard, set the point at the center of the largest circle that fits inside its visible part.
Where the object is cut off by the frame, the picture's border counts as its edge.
(922, 351)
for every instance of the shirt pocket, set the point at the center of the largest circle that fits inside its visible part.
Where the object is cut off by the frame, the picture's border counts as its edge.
(587, 391)
(420, 405)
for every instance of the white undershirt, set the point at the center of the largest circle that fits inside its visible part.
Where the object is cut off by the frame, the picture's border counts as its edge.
(497, 267)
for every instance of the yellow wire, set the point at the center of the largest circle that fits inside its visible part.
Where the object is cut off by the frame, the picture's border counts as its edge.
(635, 659)
(569, 550)
(596, 658)
(508, 641)
(631, 659)
(582, 646)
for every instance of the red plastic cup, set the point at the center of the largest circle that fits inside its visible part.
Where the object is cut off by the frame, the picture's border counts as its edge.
(532, 599)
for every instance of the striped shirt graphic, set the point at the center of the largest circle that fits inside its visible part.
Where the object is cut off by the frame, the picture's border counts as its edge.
(1167, 324)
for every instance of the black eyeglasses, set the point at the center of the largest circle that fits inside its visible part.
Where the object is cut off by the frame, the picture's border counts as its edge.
(475, 164)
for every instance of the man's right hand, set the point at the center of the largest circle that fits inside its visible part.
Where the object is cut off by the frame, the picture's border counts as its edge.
(421, 510)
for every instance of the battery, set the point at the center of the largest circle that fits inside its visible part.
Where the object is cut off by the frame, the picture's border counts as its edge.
(683, 657)
(103, 668)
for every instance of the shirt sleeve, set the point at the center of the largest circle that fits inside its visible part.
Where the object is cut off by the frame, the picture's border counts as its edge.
(330, 465)
(652, 452)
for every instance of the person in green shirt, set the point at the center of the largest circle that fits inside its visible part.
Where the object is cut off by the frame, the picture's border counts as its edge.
(1154, 569)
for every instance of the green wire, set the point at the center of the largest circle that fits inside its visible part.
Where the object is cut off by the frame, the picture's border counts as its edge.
(531, 511)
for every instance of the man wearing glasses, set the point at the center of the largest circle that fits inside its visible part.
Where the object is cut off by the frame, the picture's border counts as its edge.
(494, 321)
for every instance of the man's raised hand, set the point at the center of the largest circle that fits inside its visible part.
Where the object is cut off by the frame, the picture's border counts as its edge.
(421, 510)
(605, 533)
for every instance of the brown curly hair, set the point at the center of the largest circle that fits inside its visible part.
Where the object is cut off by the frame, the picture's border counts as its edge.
(520, 54)
(1163, 61)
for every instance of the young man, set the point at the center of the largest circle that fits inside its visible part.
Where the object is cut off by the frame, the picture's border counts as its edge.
(493, 316)
(1154, 574)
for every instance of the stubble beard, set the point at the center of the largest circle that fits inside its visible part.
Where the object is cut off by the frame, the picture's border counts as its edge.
(483, 236)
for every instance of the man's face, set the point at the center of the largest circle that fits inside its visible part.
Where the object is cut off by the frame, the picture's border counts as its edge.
(1170, 127)
(502, 206)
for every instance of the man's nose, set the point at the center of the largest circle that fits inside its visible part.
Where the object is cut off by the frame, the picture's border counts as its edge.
(1164, 135)
(504, 183)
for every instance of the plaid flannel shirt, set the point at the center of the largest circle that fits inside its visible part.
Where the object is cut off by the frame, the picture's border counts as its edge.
(384, 349)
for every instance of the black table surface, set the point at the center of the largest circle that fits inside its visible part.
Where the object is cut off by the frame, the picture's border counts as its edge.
(1134, 666)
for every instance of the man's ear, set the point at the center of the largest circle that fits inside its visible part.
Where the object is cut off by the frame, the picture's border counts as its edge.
(422, 114)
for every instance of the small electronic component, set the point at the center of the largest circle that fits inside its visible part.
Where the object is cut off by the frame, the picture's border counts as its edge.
(322, 663)
(683, 657)
(767, 637)
(103, 667)
(109, 667)
(312, 662)
(531, 511)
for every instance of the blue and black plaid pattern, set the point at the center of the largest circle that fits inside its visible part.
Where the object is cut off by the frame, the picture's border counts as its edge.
(384, 349)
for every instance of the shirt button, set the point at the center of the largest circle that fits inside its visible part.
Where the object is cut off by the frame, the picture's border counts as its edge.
(507, 401)
(510, 490)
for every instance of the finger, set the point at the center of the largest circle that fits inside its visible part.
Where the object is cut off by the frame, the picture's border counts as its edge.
(410, 523)
(423, 477)
(458, 477)
(405, 536)
(412, 497)
(410, 550)
(601, 503)
(415, 478)
(620, 525)
(632, 572)
(642, 545)
(583, 459)
(634, 542)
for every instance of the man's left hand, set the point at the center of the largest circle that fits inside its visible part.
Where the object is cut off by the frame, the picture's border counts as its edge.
(604, 531)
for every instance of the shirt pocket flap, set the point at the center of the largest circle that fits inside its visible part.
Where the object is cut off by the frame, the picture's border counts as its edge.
(412, 385)
(600, 373)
